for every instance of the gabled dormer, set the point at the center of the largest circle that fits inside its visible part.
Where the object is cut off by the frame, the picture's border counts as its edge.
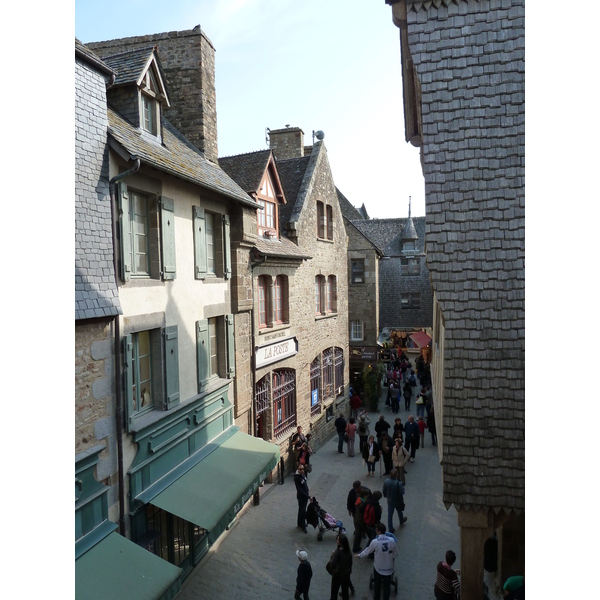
(139, 92)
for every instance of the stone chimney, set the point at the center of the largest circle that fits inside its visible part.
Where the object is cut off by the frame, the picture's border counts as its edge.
(188, 60)
(287, 143)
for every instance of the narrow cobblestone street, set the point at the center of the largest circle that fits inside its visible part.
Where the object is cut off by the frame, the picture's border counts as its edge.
(256, 559)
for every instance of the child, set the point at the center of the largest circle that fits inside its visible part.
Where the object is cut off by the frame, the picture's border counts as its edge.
(422, 427)
(304, 575)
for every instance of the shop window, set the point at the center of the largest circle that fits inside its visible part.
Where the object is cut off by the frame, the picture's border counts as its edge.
(315, 386)
(328, 375)
(338, 364)
(284, 401)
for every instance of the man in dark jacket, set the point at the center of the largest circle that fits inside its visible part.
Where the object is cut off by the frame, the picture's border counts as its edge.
(381, 426)
(302, 495)
(340, 426)
(357, 495)
(304, 575)
(412, 434)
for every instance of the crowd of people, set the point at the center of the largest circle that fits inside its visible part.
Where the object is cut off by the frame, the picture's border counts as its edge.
(392, 446)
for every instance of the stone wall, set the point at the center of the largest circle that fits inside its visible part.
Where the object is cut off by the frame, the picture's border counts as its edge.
(469, 57)
(188, 60)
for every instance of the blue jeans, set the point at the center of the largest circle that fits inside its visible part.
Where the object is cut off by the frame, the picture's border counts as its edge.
(341, 441)
(391, 508)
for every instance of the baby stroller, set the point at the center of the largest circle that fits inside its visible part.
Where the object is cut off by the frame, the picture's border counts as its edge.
(318, 517)
(394, 581)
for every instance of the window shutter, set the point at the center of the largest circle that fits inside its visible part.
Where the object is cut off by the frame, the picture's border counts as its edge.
(200, 242)
(203, 353)
(171, 366)
(167, 235)
(128, 378)
(230, 346)
(124, 230)
(227, 246)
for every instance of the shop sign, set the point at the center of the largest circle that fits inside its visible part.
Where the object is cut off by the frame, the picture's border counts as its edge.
(266, 355)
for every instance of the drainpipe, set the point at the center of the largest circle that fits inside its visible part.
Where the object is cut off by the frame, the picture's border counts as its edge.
(256, 500)
(117, 345)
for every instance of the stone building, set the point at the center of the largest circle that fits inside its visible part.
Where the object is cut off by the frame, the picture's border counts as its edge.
(299, 350)
(364, 257)
(463, 84)
(158, 425)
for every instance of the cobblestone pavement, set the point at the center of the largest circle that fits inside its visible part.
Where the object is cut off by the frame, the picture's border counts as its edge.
(256, 559)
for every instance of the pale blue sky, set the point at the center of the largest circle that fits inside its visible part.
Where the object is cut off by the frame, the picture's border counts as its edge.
(332, 65)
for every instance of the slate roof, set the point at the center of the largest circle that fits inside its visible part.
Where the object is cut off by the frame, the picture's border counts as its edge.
(279, 248)
(387, 234)
(176, 156)
(348, 210)
(246, 170)
(129, 65)
(378, 249)
(291, 173)
(96, 292)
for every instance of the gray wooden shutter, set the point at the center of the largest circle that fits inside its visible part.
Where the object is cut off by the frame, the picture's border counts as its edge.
(125, 231)
(128, 378)
(199, 243)
(227, 246)
(202, 353)
(230, 346)
(167, 237)
(171, 366)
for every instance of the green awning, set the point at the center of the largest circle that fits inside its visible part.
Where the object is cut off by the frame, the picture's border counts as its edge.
(212, 492)
(116, 568)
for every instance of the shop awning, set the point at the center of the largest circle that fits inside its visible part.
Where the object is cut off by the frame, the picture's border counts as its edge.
(212, 492)
(420, 339)
(116, 568)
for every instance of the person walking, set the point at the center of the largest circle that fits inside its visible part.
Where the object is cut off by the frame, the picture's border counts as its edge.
(355, 404)
(422, 427)
(411, 432)
(398, 429)
(340, 567)
(407, 395)
(304, 575)
(447, 584)
(371, 454)
(351, 433)
(420, 402)
(340, 426)
(385, 551)
(395, 396)
(356, 498)
(431, 427)
(400, 457)
(363, 429)
(381, 426)
(393, 491)
(386, 446)
(302, 495)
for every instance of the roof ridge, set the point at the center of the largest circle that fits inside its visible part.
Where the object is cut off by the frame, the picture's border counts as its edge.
(245, 153)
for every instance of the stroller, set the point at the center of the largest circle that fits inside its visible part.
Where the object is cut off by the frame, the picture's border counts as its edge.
(394, 582)
(321, 519)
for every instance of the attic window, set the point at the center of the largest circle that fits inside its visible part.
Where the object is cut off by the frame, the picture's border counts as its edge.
(149, 104)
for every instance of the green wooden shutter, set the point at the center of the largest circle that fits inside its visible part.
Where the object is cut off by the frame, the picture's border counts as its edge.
(230, 346)
(167, 237)
(200, 242)
(128, 378)
(125, 231)
(203, 353)
(171, 366)
(227, 246)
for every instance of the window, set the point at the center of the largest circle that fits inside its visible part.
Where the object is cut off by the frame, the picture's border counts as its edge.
(319, 294)
(409, 245)
(338, 358)
(215, 348)
(151, 363)
(284, 401)
(329, 222)
(315, 386)
(149, 104)
(411, 300)
(212, 246)
(267, 220)
(262, 397)
(356, 331)
(147, 235)
(149, 114)
(331, 305)
(320, 220)
(263, 300)
(280, 300)
(328, 381)
(324, 221)
(411, 266)
(357, 274)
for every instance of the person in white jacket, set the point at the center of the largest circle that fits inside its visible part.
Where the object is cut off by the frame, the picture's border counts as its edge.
(385, 551)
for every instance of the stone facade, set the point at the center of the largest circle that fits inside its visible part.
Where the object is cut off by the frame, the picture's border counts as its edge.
(468, 56)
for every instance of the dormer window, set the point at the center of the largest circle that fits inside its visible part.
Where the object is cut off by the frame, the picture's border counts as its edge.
(150, 105)
(267, 214)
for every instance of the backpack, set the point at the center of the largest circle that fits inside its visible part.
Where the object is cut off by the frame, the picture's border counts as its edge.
(369, 514)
